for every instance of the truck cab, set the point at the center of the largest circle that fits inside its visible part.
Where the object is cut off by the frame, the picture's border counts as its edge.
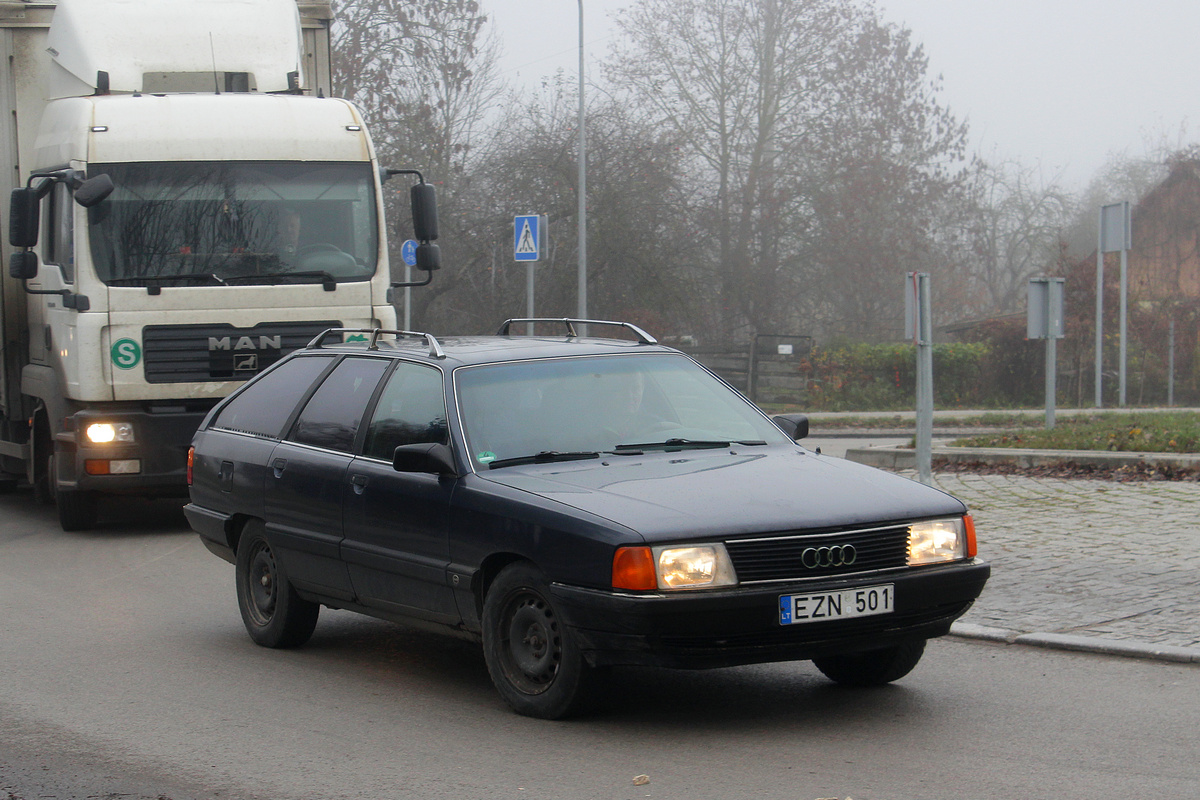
(242, 215)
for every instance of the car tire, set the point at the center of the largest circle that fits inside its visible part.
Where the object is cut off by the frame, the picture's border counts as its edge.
(274, 615)
(872, 667)
(532, 656)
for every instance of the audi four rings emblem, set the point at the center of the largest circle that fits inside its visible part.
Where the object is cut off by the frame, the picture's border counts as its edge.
(841, 555)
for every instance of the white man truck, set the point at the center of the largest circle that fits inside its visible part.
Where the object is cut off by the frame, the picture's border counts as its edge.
(188, 205)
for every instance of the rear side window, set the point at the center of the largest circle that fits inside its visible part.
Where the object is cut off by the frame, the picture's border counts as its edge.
(331, 417)
(264, 407)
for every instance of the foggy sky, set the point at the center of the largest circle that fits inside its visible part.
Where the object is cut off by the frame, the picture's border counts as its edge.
(1062, 84)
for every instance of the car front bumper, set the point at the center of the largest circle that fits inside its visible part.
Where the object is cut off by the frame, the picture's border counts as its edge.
(723, 628)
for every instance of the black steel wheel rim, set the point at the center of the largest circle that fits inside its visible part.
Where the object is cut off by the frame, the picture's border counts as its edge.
(261, 583)
(531, 643)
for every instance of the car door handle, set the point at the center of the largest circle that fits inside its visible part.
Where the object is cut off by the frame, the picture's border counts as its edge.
(359, 482)
(279, 465)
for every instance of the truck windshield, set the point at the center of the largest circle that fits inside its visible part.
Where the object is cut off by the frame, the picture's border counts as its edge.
(234, 222)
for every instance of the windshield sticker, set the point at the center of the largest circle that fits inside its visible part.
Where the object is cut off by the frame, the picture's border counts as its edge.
(486, 457)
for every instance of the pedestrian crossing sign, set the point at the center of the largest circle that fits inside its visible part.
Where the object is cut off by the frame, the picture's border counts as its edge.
(526, 237)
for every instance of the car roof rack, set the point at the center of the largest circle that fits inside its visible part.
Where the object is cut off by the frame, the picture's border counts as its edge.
(435, 348)
(643, 337)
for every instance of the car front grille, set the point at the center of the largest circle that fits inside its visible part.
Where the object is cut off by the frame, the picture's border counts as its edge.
(790, 556)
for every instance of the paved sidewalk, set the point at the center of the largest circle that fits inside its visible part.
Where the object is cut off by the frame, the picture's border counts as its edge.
(1086, 564)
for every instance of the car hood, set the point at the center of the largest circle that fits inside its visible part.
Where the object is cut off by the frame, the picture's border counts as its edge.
(728, 492)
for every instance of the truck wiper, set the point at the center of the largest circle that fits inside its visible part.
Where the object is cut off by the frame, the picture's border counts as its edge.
(327, 281)
(687, 444)
(187, 276)
(544, 457)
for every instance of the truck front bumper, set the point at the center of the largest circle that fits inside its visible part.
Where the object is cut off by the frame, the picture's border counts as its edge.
(154, 463)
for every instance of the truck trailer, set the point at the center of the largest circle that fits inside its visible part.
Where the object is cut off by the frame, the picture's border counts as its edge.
(188, 205)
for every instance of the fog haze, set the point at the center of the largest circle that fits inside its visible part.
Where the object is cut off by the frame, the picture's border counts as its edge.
(1063, 84)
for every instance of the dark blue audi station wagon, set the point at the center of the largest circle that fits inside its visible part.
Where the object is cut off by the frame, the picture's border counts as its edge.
(574, 503)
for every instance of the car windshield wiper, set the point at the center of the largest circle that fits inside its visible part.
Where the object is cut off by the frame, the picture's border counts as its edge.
(544, 457)
(681, 444)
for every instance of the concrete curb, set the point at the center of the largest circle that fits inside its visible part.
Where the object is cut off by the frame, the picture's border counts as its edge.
(1083, 644)
(906, 458)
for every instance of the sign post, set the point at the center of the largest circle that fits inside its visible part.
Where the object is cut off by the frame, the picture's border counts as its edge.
(918, 326)
(1116, 235)
(1045, 321)
(527, 247)
(408, 252)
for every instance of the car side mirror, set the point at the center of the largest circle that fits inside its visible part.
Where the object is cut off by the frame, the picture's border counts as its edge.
(435, 459)
(794, 425)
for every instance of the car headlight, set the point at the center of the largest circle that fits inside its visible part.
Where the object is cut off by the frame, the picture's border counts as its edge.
(939, 540)
(673, 568)
(109, 432)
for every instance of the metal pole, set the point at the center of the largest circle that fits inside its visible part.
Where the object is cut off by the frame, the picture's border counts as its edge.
(1124, 307)
(529, 297)
(1051, 379)
(924, 381)
(1171, 363)
(582, 211)
(1100, 313)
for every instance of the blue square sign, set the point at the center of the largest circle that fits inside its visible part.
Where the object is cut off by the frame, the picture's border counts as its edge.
(526, 239)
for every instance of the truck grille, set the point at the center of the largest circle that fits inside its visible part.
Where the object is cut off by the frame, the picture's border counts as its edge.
(788, 556)
(197, 353)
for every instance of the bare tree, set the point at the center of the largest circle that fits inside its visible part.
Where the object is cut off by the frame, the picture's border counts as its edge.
(818, 138)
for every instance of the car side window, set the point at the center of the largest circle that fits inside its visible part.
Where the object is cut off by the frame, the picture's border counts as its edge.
(264, 407)
(411, 410)
(332, 415)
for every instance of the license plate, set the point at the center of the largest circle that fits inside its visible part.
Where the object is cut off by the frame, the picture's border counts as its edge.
(865, 602)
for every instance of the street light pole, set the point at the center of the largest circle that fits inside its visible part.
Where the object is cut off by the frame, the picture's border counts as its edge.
(582, 212)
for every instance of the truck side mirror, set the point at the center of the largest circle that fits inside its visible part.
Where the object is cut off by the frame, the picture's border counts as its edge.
(423, 198)
(23, 265)
(429, 257)
(23, 218)
(94, 190)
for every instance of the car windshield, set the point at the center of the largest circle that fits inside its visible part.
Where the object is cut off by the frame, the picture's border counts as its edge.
(568, 409)
(234, 222)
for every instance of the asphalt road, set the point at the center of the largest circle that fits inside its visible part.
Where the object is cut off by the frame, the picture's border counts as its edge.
(126, 672)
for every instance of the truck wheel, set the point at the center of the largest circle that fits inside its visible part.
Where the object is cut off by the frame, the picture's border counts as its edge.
(274, 615)
(873, 667)
(532, 656)
(76, 510)
(43, 462)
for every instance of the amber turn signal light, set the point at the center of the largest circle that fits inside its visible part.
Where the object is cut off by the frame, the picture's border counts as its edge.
(633, 569)
(969, 524)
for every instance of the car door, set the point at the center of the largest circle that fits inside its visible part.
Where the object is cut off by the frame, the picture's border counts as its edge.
(306, 475)
(396, 545)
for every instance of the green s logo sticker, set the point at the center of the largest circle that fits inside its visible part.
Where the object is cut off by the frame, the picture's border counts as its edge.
(126, 353)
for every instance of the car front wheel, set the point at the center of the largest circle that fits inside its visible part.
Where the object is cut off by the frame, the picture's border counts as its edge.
(274, 615)
(872, 667)
(532, 656)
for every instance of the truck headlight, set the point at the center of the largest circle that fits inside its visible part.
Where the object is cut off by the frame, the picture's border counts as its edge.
(109, 432)
(937, 540)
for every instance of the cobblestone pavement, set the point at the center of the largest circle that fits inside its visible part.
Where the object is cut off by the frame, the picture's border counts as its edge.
(1086, 557)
